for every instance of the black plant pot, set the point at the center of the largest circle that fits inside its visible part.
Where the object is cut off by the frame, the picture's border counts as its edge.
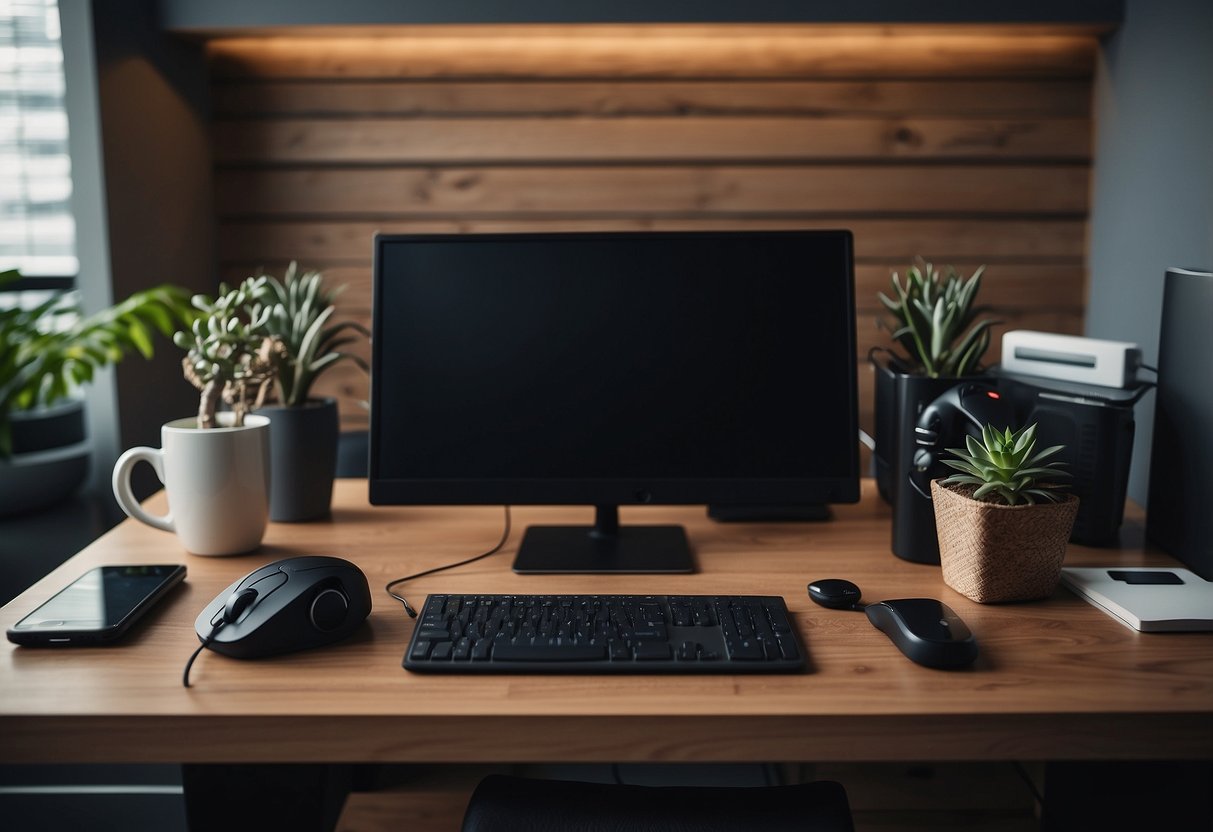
(50, 458)
(900, 400)
(303, 460)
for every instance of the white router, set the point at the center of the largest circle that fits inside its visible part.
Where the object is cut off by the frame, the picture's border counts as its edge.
(1070, 358)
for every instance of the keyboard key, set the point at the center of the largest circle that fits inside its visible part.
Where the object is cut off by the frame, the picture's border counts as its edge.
(434, 629)
(619, 652)
(648, 651)
(745, 649)
(549, 653)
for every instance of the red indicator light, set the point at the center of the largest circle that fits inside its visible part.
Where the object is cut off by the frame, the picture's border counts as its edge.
(993, 395)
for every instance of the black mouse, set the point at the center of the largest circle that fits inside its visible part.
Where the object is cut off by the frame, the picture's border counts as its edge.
(926, 631)
(287, 605)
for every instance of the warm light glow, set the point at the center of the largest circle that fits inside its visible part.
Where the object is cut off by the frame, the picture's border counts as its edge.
(661, 51)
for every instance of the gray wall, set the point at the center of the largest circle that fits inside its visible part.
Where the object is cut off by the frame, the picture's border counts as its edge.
(1152, 204)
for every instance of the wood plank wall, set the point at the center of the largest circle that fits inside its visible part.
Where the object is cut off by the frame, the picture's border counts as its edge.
(963, 147)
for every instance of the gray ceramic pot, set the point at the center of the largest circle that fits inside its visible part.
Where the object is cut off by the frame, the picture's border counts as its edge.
(303, 460)
(50, 458)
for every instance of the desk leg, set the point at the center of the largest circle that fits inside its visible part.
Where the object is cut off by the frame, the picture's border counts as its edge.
(258, 797)
(1112, 797)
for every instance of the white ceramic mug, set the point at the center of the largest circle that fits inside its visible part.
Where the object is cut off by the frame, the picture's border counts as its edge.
(217, 481)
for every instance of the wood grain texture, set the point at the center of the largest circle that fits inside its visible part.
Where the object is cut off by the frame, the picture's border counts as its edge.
(1057, 98)
(890, 241)
(1056, 679)
(678, 138)
(826, 190)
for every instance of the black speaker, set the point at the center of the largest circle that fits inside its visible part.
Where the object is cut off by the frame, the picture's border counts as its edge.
(1096, 426)
(1179, 516)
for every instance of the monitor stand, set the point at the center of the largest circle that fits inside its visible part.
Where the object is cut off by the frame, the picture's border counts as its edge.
(604, 547)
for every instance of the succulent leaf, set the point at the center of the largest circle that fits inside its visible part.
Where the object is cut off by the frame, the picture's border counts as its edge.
(933, 316)
(1004, 468)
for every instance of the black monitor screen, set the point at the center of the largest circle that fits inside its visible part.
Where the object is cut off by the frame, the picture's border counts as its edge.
(614, 368)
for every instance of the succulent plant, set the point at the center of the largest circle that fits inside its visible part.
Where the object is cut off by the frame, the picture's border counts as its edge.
(1004, 467)
(299, 311)
(935, 316)
(230, 355)
(49, 350)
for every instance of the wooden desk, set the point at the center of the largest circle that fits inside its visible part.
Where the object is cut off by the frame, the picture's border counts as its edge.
(1057, 679)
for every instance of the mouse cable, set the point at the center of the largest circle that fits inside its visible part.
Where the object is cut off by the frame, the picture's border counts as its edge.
(185, 675)
(505, 535)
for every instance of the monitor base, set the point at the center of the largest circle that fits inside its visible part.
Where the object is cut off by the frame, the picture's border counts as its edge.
(589, 549)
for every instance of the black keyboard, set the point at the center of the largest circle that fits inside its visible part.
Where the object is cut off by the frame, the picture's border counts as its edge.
(604, 634)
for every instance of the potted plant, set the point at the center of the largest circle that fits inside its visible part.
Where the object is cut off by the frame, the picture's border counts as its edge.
(934, 322)
(229, 353)
(47, 353)
(215, 465)
(305, 430)
(1002, 521)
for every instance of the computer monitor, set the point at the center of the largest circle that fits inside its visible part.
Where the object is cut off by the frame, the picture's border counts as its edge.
(611, 369)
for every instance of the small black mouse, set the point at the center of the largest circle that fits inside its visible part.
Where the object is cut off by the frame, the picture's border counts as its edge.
(926, 631)
(287, 605)
(835, 593)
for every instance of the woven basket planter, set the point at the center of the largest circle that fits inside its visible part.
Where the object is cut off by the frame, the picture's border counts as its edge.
(993, 553)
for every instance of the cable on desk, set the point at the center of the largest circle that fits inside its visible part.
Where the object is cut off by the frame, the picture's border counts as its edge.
(505, 535)
(215, 627)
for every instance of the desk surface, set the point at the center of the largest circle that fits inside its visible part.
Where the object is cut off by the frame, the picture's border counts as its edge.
(1056, 679)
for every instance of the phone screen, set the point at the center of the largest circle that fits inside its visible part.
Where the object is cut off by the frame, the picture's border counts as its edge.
(103, 601)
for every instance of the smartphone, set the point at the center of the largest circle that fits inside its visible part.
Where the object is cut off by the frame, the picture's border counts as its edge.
(98, 607)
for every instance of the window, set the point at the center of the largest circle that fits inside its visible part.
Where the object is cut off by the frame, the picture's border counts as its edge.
(37, 232)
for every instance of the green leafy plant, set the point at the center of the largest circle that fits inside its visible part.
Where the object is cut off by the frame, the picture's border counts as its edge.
(229, 353)
(1005, 468)
(49, 350)
(300, 310)
(935, 320)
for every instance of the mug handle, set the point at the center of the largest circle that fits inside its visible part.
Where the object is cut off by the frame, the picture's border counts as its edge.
(122, 485)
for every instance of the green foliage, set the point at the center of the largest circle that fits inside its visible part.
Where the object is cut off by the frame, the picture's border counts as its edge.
(300, 309)
(229, 353)
(49, 350)
(934, 320)
(264, 330)
(1004, 467)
